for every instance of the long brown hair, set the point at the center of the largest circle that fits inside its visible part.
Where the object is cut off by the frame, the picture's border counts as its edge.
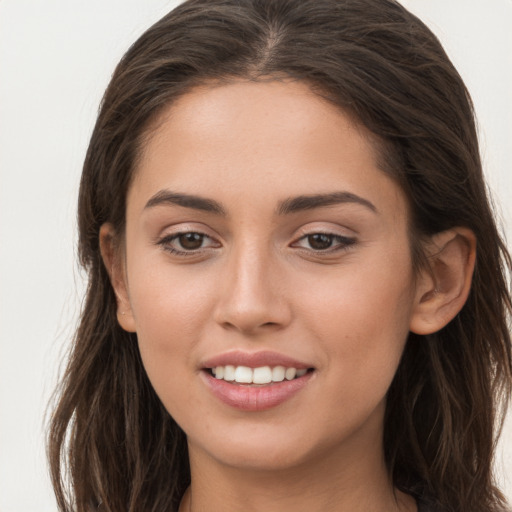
(112, 444)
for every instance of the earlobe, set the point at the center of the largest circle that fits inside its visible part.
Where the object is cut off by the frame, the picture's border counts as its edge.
(112, 259)
(443, 288)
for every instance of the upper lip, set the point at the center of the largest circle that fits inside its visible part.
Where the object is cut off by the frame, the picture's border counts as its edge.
(254, 360)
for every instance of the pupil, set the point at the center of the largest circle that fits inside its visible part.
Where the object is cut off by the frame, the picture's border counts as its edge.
(191, 240)
(320, 241)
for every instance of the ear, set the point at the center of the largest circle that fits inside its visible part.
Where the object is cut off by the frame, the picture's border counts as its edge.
(443, 287)
(114, 263)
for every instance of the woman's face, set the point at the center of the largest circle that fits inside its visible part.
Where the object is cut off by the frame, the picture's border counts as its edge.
(261, 234)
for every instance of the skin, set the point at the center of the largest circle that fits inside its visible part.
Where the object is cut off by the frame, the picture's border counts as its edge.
(257, 283)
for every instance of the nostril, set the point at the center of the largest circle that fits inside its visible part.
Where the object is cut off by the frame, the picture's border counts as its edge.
(250, 324)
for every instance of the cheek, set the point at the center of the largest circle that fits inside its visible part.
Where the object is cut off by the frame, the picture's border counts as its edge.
(171, 312)
(168, 330)
(362, 316)
(166, 299)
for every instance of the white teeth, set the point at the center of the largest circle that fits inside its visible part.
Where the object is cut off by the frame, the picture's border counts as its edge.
(260, 375)
(278, 373)
(290, 373)
(229, 373)
(243, 375)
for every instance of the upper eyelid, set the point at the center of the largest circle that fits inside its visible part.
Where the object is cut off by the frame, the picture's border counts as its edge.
(337, 232)
(328, 227)
(183, 228)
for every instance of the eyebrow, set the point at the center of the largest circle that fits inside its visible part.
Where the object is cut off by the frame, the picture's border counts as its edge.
(186, 200)
(290, 205)
(308, 202)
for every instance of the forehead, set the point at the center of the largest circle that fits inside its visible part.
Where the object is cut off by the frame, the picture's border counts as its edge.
(258, 139)
(262, 109)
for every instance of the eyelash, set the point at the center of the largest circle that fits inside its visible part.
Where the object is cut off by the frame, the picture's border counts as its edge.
(343, 243)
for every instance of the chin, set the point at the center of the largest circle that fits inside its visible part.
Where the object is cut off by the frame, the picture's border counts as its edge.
(269, 451)
(258, 459)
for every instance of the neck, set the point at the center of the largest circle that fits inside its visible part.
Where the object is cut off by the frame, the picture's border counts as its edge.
(330, 482)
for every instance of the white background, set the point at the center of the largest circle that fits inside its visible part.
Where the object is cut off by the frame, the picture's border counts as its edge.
(56, 57)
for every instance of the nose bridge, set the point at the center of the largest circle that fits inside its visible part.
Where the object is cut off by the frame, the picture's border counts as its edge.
(252, 295)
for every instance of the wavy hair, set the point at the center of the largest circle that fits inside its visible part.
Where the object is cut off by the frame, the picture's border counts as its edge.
(112, 446)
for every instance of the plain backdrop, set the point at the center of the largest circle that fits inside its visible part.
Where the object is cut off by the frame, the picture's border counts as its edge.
(56, 57)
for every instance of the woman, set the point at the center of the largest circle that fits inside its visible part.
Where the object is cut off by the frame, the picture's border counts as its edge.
(296, 296)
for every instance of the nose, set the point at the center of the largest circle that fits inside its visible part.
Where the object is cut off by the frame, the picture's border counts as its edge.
(252, 294)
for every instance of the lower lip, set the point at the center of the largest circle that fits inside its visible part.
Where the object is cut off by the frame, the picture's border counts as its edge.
(255, 398)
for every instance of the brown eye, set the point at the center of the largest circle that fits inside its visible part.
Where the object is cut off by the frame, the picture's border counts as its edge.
(324, 243)
(320, 241)
(188, 243)
(191, 241)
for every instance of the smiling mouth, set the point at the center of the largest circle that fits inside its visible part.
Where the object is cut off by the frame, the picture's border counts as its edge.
(263, 375)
